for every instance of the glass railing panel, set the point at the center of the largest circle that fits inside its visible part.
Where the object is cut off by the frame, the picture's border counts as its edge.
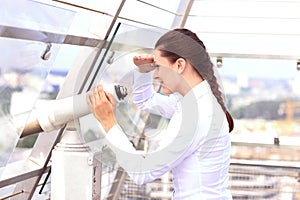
(29, 43)
(35, 16)
(117, 68)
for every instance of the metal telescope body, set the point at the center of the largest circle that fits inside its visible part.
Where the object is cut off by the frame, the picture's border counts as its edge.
(49, 115)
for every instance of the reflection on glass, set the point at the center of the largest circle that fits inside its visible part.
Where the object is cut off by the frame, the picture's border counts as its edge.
(22, 77)
(27, 52)
(33, 16)
(118, 69)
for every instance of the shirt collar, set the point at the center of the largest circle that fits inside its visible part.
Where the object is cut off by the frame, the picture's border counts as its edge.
(199, 90)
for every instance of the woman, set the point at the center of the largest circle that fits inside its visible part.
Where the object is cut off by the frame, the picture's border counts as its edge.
(197, 145)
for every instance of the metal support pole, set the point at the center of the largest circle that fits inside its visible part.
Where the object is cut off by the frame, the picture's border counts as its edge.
(186, 13)
(183, 11)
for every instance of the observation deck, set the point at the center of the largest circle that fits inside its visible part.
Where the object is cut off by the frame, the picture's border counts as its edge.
(53, 50)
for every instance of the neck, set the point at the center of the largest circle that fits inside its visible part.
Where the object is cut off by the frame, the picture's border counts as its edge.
(190, 81)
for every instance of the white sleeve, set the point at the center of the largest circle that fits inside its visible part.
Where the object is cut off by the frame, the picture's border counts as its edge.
(193, 128)
(145, 98)
(143, 168)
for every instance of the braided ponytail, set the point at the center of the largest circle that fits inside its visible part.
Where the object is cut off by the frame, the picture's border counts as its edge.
(210, 77)
(192, 49)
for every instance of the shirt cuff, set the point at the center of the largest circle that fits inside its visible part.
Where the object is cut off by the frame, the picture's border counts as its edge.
(116, 138)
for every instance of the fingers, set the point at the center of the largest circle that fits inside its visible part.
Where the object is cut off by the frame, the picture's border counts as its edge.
(98, 96)
(101, 104)
(143, 59)
(103, 95)
(146, 58)
(144, 63)
(109, 97)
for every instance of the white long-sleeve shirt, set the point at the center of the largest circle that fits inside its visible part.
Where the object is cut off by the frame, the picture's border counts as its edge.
(197, 146)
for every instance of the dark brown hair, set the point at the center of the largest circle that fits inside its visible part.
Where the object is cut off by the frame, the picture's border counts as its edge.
(182, 43)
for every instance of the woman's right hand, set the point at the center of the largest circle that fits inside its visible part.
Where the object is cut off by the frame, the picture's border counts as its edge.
(144, 63)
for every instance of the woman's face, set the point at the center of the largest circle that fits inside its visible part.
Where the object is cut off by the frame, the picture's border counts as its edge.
(166, 73)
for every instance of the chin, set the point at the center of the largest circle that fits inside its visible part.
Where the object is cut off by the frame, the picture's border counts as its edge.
(167, 91)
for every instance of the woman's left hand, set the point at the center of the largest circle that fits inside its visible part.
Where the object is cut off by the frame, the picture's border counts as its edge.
(103, 106)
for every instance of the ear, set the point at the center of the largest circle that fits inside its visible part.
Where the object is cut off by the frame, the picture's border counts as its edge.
(181, 64)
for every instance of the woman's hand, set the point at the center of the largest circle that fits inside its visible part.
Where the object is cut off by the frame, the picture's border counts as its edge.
(103, 106)
(145, 63)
